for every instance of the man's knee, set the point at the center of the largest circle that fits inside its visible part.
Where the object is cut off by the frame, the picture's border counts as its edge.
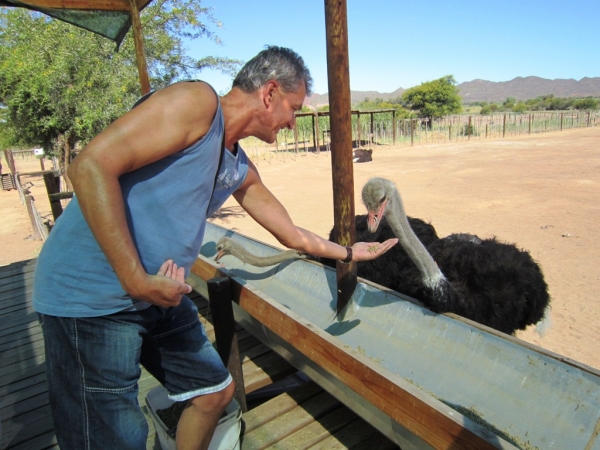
(216, 401)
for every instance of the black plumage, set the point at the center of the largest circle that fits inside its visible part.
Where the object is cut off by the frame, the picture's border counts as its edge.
(488, 281)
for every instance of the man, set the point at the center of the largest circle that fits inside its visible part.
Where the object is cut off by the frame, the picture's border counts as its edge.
(109, 283)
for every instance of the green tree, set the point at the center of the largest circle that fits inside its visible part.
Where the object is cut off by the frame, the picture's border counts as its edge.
(520, 107)
(509, 103)
(586, 104)
(62, 85)
(434, 99)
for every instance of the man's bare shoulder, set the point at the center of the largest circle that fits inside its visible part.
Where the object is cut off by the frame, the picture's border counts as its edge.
(188, 108)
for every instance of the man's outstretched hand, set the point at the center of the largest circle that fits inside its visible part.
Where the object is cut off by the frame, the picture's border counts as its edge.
(365, 251)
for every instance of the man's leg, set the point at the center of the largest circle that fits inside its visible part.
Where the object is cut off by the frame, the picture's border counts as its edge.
(92, 371)
(181, 357)
(200, 417)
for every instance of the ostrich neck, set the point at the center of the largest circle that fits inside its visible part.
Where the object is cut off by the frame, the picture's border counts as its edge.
(262, 261)
(417, 252)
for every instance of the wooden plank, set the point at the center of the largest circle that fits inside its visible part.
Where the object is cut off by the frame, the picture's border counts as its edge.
(29, 343)
(264, 370)
(46, 441)
(401, 401)
(19, 267)
(281, 404)
(319, 430)
(29, 426)
(290, 422)
(22, 367)
(26, 269)
(13, 283)
(356, 435)
(4, 333)
(22, 383)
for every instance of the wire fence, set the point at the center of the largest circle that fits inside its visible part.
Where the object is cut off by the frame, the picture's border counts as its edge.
(381, 128)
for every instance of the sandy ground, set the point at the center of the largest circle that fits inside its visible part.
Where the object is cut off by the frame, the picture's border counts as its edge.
(540, 192)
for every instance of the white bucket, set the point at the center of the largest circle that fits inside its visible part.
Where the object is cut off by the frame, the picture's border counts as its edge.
(227, 433)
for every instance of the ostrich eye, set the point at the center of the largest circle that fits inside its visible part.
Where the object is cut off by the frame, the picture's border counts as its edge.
(382, 199)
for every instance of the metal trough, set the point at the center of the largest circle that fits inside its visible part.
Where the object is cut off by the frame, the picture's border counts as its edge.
(424, 380)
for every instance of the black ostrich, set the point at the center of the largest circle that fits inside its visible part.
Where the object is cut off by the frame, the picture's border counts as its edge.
(361, 155)
(383, 270)
(493, 283)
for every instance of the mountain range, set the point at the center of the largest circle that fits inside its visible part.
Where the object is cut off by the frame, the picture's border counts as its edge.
(521, 88)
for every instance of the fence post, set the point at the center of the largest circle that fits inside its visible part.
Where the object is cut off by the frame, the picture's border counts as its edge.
(504, 126)
(412, 132)
(220, 299)
(394, 127)
(29, 202)
(561, 121)
(317, 142)
(358, 133)
(469, 128)
(52, 187)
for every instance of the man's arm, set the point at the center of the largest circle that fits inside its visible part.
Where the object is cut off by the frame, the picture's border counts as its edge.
(169, 121)
(264, 207)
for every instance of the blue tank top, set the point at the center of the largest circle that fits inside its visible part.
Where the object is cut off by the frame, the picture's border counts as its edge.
(166, 204)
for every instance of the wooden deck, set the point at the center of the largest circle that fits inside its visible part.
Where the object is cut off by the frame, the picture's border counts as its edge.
(306, 417)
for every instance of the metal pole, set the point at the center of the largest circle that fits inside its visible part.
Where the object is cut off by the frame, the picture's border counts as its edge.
(338, 74)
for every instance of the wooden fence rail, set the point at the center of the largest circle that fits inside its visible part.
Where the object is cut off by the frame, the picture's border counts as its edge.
(382, 128)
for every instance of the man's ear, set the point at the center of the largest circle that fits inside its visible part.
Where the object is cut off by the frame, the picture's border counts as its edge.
(269, 91)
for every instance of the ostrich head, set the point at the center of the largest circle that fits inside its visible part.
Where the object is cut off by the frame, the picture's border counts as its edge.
(225, 246)
(376, 194)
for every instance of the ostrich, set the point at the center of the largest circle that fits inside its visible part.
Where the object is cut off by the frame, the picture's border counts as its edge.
(227, 246)
(382, 270)
(490, 282)
(361, 155)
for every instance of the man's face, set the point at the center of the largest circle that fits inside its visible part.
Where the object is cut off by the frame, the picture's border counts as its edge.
(282, 107)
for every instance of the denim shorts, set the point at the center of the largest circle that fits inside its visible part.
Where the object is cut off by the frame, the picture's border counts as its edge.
(93, 368)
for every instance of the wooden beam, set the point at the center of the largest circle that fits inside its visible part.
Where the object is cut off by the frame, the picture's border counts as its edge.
(338, 74)
(94, 5)
(419, 413)
(138, 39)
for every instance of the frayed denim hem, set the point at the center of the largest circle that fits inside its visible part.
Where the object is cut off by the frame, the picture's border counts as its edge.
(209, 390)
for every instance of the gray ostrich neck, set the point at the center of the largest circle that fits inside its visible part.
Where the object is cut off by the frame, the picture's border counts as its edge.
(262, 261)
(417, 252)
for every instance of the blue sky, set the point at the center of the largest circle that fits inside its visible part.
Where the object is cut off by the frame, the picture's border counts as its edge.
(395, 44)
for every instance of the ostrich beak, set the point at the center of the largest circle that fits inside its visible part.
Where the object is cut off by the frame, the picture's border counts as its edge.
(220, 254)
(374, 219)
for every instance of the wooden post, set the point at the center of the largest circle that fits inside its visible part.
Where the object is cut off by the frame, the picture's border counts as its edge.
(394, 127)
(504, 126)
(358, 133)
(469, 128)
(138, 40)
(42, 164)
(338, 74)
(561, 121)
(10, 160)
(296, 139)
(29, 202)
(220, 295)
(372, 135)
(317, 141)
(52, 187)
